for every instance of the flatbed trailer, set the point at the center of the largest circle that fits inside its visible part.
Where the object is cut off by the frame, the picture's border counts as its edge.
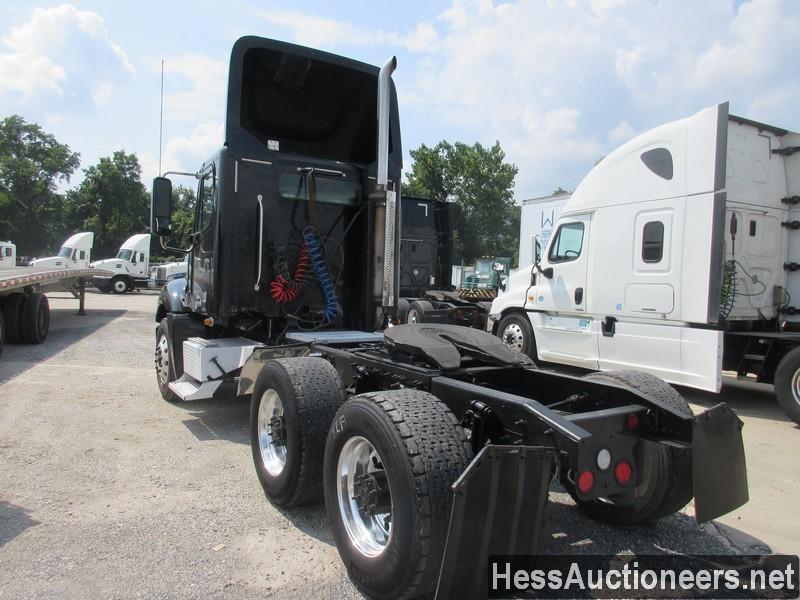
(24, 310)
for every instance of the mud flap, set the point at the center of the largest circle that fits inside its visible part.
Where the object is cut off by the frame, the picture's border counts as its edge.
(719, 472)
(498, 505)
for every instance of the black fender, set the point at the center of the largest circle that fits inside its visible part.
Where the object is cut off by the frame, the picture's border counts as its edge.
(170, 300)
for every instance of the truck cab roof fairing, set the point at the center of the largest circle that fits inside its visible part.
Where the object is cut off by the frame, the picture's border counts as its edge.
(288, 98)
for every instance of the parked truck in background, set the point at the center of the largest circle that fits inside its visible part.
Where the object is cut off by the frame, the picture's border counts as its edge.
(537, 220)
(8, 255)
(75, 253)
(432, 445)
(677, 255)
(129, 270)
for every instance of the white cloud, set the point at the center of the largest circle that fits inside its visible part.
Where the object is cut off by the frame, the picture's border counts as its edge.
(62, 58)
(195, 87)
(622, 133)
(322, 32)
(185, 152)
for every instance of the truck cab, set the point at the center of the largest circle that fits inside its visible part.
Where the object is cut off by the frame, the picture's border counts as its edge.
(129, 268)
(75, 253)
(8, 255)
(676, 255)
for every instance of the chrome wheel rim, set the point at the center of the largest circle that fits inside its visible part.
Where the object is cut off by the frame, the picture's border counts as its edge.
(513, 336)
(271, 443)
(795, 387)
(413, 317)
(369, 528)
(162, 360)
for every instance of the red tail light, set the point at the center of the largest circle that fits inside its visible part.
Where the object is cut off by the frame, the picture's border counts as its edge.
(585, 481)
(633, 421)
(623, 472)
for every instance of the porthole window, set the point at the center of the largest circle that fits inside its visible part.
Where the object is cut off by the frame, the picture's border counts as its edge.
(659, 161)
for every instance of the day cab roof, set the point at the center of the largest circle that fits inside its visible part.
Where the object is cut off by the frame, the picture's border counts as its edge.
(297, 100)
(83, 240)
(140, 242)
(679, 158)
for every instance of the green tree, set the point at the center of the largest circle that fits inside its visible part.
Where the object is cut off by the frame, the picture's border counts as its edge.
(32, 163)
(111, 201)
(480, 182)
(183, 200)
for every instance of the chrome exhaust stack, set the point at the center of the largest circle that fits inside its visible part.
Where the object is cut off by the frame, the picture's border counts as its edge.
(384, 201)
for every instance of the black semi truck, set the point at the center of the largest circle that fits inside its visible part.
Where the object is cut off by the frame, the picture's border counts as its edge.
(432, 445)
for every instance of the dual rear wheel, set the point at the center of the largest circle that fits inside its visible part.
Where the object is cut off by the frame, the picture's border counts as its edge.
(383, 461)
(25, 319)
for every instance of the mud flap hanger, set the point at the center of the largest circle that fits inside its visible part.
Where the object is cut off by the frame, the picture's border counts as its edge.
(498, 505)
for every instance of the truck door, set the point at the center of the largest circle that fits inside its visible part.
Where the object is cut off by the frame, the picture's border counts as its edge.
(203, 240)
(562, 328)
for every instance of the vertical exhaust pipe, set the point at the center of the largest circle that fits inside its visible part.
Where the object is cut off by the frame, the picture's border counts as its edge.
(384, 201)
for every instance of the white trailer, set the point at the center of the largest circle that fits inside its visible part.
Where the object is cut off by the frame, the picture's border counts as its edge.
(75, 253)
(129, 270)
(677, 255)
(537, 219)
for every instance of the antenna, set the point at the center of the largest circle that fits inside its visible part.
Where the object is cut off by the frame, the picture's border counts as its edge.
(161, 119)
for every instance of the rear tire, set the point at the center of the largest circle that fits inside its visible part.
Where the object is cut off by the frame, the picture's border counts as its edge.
(787, 384)
(664, 473)
(418, 451)
(35, 319)
(416, 311)
(516, 332)
(165, 370)
(12, 311)
(293, 403)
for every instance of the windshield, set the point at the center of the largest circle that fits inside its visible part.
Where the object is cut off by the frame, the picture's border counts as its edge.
(65, 252)
(333, 191)
(124, 254)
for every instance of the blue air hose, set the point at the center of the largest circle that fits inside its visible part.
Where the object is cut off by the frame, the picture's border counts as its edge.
(332, 309)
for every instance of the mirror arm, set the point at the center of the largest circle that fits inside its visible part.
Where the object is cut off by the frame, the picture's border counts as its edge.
(171, 249)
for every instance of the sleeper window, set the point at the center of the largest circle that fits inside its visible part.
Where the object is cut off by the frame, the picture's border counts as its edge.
(567, 243)
(653, 242)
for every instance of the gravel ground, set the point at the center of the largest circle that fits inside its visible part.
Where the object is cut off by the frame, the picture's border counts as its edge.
(108, 491)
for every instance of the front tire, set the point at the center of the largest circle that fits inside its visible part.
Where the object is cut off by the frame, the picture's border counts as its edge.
(664, 481)
(787, 384)
(390, 462)
(165, 371)
(516, 332)
(293, 403)
(119, 284)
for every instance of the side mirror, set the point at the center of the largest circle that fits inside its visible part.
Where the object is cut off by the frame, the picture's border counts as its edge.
(537, 250)
(548, 272)
(161, 207)
(498, 267)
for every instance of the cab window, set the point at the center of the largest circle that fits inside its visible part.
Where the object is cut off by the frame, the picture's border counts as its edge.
(567, 243)
(208, 201)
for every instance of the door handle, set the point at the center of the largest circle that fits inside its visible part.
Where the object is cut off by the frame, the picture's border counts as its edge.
(578, 295)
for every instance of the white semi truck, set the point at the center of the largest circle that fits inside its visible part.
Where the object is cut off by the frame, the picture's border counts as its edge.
(8, 255)
(129, 270)
(677, 255)
(75, 253)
